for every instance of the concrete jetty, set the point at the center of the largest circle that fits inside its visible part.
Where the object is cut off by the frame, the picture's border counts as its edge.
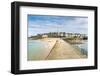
(50, 43)
(64, 50)
(56, 48)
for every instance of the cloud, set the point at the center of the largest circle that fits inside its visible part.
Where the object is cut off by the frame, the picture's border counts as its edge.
(43, 24)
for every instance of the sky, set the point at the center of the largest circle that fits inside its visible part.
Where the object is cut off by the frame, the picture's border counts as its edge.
(38, 24)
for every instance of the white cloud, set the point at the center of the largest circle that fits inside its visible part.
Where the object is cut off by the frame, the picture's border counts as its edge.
(74, 24)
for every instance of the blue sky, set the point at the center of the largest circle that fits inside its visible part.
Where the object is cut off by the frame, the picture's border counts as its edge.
(43, 24)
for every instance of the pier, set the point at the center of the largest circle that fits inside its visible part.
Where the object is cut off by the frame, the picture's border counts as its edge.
(61, 50)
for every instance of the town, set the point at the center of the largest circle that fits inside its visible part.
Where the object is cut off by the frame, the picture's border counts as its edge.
(69, 37)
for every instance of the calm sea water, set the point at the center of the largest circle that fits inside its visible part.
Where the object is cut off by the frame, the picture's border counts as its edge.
(36, 49)
(83, 47)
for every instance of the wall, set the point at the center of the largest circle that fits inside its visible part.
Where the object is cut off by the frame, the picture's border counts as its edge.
(5, 41)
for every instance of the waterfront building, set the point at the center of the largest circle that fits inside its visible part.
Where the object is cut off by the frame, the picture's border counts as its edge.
(62, 35)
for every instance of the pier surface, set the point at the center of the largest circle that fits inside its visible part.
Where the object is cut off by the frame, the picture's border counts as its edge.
(60, 49)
